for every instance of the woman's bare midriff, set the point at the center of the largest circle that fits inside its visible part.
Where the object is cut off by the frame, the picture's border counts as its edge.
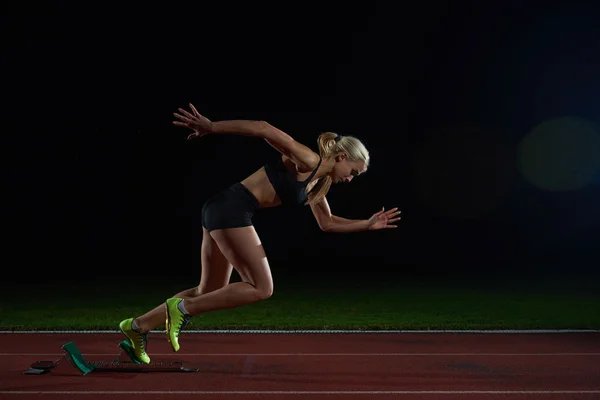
(259, 185)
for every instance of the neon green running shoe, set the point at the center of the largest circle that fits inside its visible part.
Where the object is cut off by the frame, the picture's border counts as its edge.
(138, 341)
(176, 322)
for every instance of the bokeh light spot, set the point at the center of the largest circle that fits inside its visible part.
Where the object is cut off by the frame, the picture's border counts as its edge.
(561, 154)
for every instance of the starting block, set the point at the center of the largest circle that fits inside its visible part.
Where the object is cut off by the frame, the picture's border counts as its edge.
(76, 359)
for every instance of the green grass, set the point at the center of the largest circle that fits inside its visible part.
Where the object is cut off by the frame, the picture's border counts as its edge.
(406, 306)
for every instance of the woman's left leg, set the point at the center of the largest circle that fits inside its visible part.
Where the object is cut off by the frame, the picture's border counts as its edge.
(216, 273)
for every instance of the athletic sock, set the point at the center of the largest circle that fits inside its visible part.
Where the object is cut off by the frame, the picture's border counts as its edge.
(181, 308)
(135, 326)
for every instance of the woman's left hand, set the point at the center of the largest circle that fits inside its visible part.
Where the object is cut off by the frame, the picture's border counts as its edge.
(383, 219)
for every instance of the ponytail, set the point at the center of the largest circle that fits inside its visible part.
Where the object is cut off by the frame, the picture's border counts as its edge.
(327, 143)
(331, 144)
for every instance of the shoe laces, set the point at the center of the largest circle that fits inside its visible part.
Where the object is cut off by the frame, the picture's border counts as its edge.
(142, 340)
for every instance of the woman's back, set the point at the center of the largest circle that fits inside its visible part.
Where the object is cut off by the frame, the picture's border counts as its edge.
(281, 174)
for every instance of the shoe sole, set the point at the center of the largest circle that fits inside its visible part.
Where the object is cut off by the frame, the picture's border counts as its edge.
(131, 345)
(168, 323)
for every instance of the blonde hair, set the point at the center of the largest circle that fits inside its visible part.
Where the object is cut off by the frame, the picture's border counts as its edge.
(331, 144)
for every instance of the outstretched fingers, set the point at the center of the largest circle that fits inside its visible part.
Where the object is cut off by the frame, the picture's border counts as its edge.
(392, 217)
(183, 124)
(196, 113)
(182, 118)
(186, 113)
(392, 213)
(389, 223)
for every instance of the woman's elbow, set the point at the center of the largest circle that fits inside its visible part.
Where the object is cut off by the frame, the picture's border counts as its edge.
(263, 128)
(325, 227)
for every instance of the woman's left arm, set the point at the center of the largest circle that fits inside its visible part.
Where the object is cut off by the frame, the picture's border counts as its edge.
(332, 223)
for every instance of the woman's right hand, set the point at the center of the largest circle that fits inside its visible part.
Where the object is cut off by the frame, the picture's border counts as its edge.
(198, 123)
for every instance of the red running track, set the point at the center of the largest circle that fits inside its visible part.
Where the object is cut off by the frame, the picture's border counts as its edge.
(419, 366)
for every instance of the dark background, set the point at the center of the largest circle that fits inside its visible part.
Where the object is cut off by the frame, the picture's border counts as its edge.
(98, 183)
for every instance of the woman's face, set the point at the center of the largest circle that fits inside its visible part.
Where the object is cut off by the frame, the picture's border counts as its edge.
(345, 170)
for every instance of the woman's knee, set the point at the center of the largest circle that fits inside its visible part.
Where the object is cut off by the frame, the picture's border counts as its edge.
(262, 291)
(243, 249)
(266, 292)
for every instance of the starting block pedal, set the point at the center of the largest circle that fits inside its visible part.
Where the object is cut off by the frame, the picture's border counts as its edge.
(41, 367)
(76, 359)
(126, 347)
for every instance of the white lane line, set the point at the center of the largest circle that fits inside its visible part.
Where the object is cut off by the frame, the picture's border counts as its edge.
(293, 392)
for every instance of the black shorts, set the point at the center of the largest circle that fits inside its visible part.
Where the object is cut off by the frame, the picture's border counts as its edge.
(234, 207)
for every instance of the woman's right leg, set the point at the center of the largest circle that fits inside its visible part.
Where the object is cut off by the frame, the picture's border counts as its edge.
(243, 249)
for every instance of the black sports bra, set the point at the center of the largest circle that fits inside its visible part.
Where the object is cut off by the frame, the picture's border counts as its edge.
(290, 191)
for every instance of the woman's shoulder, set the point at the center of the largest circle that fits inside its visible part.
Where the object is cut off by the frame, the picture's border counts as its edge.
(310, 162)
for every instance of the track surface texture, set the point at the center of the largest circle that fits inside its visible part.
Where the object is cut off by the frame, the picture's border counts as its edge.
(358, 366)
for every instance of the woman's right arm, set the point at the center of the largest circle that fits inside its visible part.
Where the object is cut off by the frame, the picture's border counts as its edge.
(301, 155)
(240, 127)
